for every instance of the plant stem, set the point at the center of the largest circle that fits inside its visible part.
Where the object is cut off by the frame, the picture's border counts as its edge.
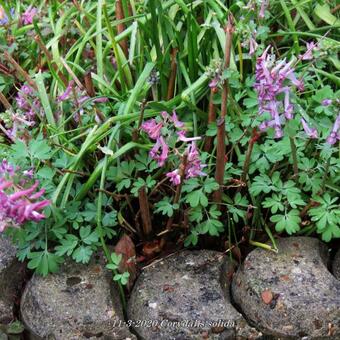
(182, 168)
(211, 119)
(99, 219)
(294, 155)
(246, 164)
(145, 211)
(220, 152)
(20, 70)
(121, 27)
(263, 246)
(172, 79)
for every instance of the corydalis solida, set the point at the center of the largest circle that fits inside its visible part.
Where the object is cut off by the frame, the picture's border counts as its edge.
(19, 203)
(160, 151)
(273, 78)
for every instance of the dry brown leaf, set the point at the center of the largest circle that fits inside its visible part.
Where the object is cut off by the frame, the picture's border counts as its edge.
(126, 247)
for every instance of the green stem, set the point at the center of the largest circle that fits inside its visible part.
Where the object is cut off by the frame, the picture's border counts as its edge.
(294, 155)
(291, 26)
(263, 246)
(99, 218)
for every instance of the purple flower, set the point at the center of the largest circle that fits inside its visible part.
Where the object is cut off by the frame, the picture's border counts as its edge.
(214, 83)
(326, 102)
(6, 169)
(4, 17)
(252, 46)
(310, 47)
(29, 107)
(28, 15)
(152, 128)
(174, 176)
(264, 5)
(194, 166)
(18, 205)
(177, 123)
(101, 100)
(160, 151)
(66, 94)
(310, 132)
(334, 135)
(182, 138)
(271, 81)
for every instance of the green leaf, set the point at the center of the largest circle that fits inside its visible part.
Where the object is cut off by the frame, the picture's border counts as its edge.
(210, 185)
(195, 214)
(82, 254)
(260, 184)
(196, 197)
(39, 149)
(191, 239)
(274, 203)
(324, 13)
(116, 258)
(87, 237)
(288, 222)
(67, 245)
(15, 327)
(190, 185)
(110, 219)
(19, 150)
(164, 207)
(211, 226)
(44, 262)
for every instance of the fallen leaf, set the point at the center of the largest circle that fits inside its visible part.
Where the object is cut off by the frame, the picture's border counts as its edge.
(126, 248)
(267, 296)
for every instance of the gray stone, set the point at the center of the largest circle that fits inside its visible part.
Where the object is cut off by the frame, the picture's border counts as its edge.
(78, 302)
(336, 265)
(292, 293)
(11, 279)
(186, 296)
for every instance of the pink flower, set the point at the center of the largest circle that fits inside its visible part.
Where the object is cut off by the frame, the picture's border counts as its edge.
(182, 138)
(310, 132)
(252, 46)
(18, 206)
(310, 47)
(177, 123)
(174, 176)
(28, 15)
(152, 128)
(160, 151)
(214, 83)
(67, 92)
(326, 102)
(334, 135)
(264, 5)
(194, 167)
(271, 78)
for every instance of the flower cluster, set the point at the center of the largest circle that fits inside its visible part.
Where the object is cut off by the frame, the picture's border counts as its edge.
(161, 130)
(270, 83)
(18, 203)
(310, 47)
(4, 17)
(28, 16)
(334, 136)
(215, 73)
(80, 97)
(252, 4)
(28, 109)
